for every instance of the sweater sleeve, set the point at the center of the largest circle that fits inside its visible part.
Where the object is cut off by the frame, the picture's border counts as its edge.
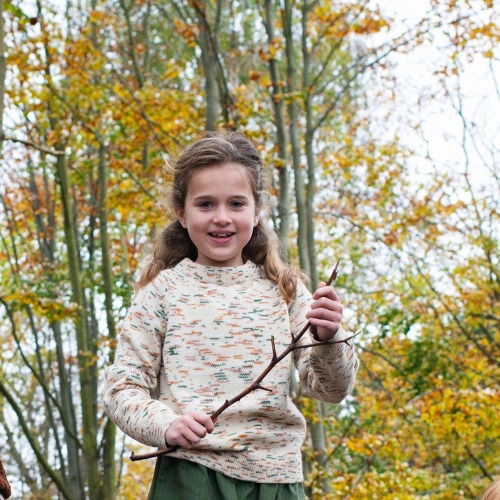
(133, 379)
(326, 372)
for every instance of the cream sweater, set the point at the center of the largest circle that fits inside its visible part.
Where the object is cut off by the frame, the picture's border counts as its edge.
(198, 335)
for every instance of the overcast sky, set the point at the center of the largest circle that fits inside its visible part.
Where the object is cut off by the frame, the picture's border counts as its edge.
(441, 124)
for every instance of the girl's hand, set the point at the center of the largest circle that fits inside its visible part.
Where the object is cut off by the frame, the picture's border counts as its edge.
(326, 312)
(189, 429)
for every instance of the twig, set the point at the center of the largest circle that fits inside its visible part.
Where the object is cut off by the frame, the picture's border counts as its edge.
(31, 144)
(256, 384)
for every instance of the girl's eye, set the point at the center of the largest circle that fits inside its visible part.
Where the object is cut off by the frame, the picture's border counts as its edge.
(205, 204)
(237, 204)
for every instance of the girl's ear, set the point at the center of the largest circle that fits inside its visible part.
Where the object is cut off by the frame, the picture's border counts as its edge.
(180, 215)
(255, 221)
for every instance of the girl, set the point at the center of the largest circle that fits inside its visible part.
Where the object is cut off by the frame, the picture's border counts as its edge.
(199, 331)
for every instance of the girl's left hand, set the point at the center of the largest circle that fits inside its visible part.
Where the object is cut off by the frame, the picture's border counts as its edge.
(326, 312)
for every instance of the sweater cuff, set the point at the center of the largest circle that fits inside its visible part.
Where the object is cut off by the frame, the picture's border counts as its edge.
(159, 431)
(328, 350)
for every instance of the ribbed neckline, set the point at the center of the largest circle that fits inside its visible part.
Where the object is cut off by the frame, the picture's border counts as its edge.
(223, 276)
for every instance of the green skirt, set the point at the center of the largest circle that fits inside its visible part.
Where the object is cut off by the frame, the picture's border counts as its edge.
(176, 479)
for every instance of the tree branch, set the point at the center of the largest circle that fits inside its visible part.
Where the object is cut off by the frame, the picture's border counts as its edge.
(31, 144)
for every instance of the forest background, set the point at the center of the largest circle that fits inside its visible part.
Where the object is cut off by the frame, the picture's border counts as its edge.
(379, 125)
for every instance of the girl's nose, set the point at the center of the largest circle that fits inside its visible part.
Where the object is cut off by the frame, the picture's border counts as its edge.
(222, 216)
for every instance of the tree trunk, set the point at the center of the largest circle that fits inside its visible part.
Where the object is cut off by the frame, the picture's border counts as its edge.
(310, 155)
(90, 455)
(278, 107)
(109, 463)
(210, 63)
(295, 139)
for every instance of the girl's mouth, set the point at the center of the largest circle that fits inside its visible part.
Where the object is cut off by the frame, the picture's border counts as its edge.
(220, 236)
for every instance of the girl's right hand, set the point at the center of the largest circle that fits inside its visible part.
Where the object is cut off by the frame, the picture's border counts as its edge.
(189, 429)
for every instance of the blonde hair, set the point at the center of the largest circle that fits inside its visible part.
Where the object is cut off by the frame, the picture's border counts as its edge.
(492, 492)
(173, 244)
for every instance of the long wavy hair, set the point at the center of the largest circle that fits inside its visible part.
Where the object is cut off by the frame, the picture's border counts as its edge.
(173, 243)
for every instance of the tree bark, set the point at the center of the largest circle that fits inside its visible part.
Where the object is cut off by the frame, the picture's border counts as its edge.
(293, 113)
(109, 464)
(281, 135)
(310, 154)
(89, 431)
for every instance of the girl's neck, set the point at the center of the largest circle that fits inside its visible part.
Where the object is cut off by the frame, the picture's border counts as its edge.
(245, 273)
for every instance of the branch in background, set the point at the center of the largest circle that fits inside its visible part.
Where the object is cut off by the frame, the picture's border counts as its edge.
(31, 144)
(256, 384)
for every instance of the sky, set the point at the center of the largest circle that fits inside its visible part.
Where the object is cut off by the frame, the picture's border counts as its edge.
(422, 99)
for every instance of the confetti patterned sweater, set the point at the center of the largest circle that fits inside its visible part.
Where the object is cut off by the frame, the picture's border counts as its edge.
(198, 335)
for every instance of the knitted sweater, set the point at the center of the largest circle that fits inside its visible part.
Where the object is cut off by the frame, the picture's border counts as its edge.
(197, 336)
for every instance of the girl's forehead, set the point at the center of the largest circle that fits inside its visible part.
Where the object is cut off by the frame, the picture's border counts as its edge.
(220, 176)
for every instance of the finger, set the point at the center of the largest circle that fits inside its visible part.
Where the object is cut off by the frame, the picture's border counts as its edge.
(326, 317)
(325, 323)
(192, 436)
(327, 304)
(325, 313)
(174, 438)
(204, 420)
(329, 322)
(197, 429)
(184, 437)
(326, 291)
(183, 442)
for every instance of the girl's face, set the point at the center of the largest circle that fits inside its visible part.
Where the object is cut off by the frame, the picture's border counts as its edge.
(219, 214)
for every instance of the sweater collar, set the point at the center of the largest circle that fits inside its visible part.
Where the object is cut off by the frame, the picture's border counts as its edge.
(245, 274)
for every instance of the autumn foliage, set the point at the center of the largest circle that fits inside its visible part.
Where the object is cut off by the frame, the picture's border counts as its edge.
(99, 95)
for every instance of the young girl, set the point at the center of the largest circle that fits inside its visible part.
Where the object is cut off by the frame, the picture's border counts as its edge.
(199, 331)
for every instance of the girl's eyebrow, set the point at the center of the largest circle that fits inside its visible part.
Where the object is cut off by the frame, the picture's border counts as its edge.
(211, 196)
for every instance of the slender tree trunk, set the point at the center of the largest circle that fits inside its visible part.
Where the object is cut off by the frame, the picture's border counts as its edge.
(89, 431)
(293, 114)
(131, 43)
(211, 88)
(109, 438)
(317, 429)
(310, 155)
(319, 443)
(279, 117)
(75, 479)
(209, 62)
(310, 193)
